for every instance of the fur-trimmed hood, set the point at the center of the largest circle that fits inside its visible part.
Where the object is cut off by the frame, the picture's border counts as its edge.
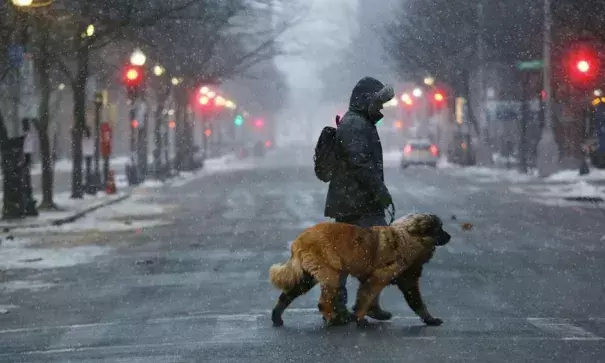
(368, 96)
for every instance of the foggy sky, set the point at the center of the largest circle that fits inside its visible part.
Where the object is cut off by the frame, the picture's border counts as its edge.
(331, 29)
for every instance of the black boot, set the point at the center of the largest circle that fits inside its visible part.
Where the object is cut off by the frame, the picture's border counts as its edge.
(376, 312)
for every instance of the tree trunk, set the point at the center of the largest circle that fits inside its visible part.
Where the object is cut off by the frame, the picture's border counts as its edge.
(157, 135)
(181, 119)
(42, 125)
(467, 93)
(79, 89)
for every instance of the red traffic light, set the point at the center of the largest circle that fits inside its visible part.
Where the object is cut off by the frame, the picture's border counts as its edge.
(133, 76)
(259, 123)
(583, 66)
(207, 132)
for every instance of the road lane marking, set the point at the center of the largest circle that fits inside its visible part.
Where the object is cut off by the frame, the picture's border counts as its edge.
(566, 330)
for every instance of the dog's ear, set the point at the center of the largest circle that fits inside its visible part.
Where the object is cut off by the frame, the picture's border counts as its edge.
(422, 224)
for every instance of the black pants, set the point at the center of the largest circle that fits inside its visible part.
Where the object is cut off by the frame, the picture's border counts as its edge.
(361, 221)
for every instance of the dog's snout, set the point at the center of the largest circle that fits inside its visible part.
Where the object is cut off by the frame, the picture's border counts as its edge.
(443, 238)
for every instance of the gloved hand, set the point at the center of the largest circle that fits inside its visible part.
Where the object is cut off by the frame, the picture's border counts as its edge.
(385, 198)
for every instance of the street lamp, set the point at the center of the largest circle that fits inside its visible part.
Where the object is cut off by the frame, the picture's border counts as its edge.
(158, 70)
(204, 90)
(417, 92)
(138, 58)
(429, 81)
(61, 86)
(22, 3)
(90, 30)
(175, 81)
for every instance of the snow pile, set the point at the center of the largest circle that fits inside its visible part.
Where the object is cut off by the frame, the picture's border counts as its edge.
(490, 175)
(579, 189)
(564, 195)
(224, 164)
(133, 206)
(91, 224)
(122, 216)
(65, 165)
(16, 253)
(573, 175)
(152, 183)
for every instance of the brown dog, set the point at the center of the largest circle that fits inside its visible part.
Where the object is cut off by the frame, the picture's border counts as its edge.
(376, 256)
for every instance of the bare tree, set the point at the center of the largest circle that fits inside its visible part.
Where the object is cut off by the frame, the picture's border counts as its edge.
(113, 21)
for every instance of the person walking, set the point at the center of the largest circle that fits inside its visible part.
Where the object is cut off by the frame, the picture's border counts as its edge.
(357, 193)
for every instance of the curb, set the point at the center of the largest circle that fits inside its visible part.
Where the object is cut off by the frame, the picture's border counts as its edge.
(68, 219)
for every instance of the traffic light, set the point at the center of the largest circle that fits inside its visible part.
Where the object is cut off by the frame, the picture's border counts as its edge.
(583, 65)
(398, 124)
(406, 99)
(438, 97)
(238, 120)
(203, 100)
(207, 132)
(259, 123)
(133, 78)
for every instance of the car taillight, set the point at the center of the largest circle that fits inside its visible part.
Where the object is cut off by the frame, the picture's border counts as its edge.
(407, 149)
(434, 150)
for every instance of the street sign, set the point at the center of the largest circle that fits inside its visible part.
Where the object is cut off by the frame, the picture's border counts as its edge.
(530, 65)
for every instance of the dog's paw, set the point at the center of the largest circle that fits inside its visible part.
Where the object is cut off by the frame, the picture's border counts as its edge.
(433, 321)
(276, 319)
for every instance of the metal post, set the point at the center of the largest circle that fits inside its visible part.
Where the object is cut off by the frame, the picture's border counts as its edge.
(547, 149)
(133, 177)
(481, 75)
(204, 136)
(97, 151)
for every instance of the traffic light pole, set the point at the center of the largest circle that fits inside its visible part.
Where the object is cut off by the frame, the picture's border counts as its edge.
(133, 177)
(547, 150)
(204, 136)
(97, 151)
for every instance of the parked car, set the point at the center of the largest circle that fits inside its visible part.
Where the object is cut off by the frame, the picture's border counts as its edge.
(419, 152)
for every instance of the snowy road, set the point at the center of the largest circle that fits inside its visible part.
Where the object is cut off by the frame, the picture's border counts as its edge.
(524, 285)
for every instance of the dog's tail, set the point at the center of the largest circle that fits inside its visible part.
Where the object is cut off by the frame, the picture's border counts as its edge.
(286, 276)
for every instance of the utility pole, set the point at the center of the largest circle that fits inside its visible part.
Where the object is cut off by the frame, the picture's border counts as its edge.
(481, 75)
(547, 150)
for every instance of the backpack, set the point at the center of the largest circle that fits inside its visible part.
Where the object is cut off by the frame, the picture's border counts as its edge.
(325, 154)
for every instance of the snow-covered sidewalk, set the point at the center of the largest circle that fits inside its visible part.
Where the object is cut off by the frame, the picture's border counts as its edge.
(482, 174)
(71, 209)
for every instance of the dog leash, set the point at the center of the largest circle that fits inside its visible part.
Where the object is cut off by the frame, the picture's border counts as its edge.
(391, 212)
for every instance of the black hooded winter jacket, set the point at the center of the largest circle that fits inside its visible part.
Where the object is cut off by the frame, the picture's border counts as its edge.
(357, 186)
